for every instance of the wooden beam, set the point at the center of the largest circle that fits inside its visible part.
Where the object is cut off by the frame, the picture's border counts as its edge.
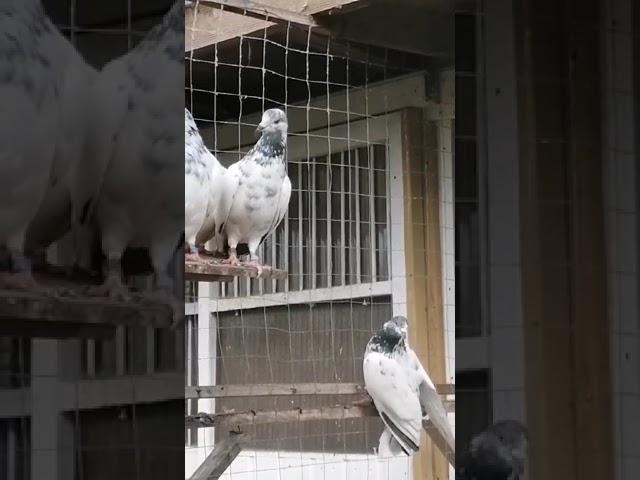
(236, 420)
(263, 11)
(222, 455)
(73, 313)
(211, 269)
(567, 323)
(206, 25)
(424, 273)
(265, 390)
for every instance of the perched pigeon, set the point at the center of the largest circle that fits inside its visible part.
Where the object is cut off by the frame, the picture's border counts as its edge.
(127, 185)
(498, 453)
(401, 390)
(257, 189)
(203, 184)
(42, 80)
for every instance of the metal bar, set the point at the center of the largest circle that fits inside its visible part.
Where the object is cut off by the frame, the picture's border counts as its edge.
(358, 244)
(372, 215)
(329, 214)
(312, 222)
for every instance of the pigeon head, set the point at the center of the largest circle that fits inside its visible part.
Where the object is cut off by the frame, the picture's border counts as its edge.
(273, 126)
(401, 324)
(393, 331)
(513, 435)
(502, 446)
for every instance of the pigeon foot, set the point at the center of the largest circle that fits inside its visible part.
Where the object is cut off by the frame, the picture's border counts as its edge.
(261, 268)
(166, 296)
(232, 260)
(192, 257)
(112, 288)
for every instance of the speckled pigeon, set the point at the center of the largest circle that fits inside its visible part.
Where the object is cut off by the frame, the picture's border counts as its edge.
(401, 390)
(42, 91)
(257, 190)
(203, 185)
(127, 186)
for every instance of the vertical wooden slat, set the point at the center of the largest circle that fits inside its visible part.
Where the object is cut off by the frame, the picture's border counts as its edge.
(567, 328)
(424, 267)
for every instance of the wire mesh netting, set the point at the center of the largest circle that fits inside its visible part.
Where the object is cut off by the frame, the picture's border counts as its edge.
(342, 241)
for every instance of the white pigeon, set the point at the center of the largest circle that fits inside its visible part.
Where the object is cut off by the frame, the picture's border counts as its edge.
(127, 185)
(203, 184)
(401, 390)
(42, 80)
(257, 189)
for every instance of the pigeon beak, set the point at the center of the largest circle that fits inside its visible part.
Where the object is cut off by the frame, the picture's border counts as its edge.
(258, 132)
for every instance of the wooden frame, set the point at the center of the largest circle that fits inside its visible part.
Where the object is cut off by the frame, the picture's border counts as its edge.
(265, 390)
(423, 259)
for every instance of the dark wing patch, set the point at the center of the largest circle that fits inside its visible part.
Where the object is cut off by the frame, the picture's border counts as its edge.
(399, 434)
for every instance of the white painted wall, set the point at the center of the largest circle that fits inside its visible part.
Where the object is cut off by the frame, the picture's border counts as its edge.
(622, 236)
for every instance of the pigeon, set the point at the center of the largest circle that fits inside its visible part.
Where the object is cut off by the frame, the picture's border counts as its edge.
(401, 390)
(126, 188)
(42, 92)
(498, 453)
(257, 189)
(204, 177)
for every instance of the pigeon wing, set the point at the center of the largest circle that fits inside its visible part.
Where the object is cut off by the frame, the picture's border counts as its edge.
(283, 206)
(208, 229)
(430, 401)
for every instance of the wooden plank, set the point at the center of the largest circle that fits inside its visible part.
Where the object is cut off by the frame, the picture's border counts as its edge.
(592, 319)
(424, 274)
(222, 455)
(361, 409)
(567, 324)
(257, 390)
(206, 25)
(211, 269)
(75, 314)
(264, 11)
(235, 420)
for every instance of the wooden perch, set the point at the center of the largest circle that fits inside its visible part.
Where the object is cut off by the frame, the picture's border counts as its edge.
(235, 420)
(69, 312)
(211, 269)
(267, 390)
(358, 409)
(223, 454)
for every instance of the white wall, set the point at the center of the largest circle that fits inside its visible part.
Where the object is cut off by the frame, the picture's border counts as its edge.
(622, 236)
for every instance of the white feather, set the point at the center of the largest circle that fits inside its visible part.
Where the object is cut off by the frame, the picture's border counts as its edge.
(42, 96)
(127, 184)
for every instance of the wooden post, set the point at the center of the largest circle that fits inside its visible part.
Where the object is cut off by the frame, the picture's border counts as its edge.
(424, 267)
(567, 328)
(223, 454)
